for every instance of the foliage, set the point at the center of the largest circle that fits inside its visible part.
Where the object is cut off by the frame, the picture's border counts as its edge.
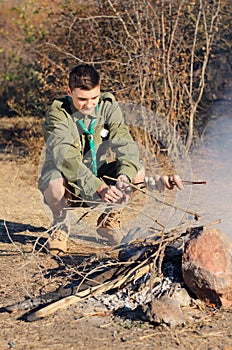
(150, 52)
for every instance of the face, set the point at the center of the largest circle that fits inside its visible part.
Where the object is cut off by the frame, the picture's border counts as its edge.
(85, 101)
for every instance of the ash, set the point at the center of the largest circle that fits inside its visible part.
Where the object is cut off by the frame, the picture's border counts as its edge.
(127, 299)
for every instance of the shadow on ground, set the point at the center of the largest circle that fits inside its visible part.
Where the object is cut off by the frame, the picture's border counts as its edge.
(11, 231)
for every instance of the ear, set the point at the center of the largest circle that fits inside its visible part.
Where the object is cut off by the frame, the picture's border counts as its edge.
(69, 92)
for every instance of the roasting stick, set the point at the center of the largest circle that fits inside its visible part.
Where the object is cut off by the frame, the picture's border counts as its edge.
(186, 182)
(195, 215)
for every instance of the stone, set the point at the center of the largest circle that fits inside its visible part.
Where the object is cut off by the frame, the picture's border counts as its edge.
(182, 297)
(207, 266)
(164, 311)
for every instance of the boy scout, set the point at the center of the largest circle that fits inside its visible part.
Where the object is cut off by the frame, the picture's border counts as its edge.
(78, 130)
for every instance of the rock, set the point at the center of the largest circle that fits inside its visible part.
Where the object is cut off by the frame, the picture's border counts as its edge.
(164, 311)
(182, 297)
(207, 266)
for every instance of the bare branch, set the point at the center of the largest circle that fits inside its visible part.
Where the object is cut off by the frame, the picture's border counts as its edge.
(123, 23)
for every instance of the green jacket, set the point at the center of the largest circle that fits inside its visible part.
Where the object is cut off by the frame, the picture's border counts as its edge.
(67, 152)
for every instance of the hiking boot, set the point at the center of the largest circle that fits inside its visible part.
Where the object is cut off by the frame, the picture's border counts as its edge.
(109, 227)
(57, 242)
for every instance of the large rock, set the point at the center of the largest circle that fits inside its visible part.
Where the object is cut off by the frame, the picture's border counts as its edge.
(207, 266)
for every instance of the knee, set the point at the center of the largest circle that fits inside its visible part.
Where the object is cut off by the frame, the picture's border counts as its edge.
(55, 190)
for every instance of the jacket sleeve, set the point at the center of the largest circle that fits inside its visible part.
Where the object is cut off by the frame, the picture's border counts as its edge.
(122, 143)
(63, 151)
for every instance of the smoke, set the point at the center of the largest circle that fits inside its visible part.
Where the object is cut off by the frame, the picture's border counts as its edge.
(213, 162)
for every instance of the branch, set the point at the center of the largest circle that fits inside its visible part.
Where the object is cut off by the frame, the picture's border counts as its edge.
(123, 23)
(168, 58)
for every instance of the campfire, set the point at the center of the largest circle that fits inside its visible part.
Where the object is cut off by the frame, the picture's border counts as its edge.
(146, 278)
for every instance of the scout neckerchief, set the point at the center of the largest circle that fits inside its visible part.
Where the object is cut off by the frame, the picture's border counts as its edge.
(90, 132)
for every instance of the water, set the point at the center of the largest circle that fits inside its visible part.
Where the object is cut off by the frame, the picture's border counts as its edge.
(213, 162)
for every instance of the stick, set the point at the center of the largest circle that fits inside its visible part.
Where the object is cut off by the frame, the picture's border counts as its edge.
(195, 215)
(186, 182)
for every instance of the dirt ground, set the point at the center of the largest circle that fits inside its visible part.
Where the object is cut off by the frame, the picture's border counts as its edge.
(27, 271)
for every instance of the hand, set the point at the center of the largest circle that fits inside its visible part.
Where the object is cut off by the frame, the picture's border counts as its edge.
(164, 181)
(123, 185)
(110, 194)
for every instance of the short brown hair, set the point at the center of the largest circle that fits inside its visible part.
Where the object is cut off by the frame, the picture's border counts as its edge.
(83, 76)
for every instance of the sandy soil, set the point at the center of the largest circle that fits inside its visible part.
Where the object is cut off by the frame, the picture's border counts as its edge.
(27, 271)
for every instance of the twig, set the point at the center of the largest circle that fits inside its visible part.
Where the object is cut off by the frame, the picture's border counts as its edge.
(146, 215)
(10, 238)
(218, 221)
(196, 216)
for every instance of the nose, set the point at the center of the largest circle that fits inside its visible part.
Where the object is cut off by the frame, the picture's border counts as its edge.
(89, 103)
